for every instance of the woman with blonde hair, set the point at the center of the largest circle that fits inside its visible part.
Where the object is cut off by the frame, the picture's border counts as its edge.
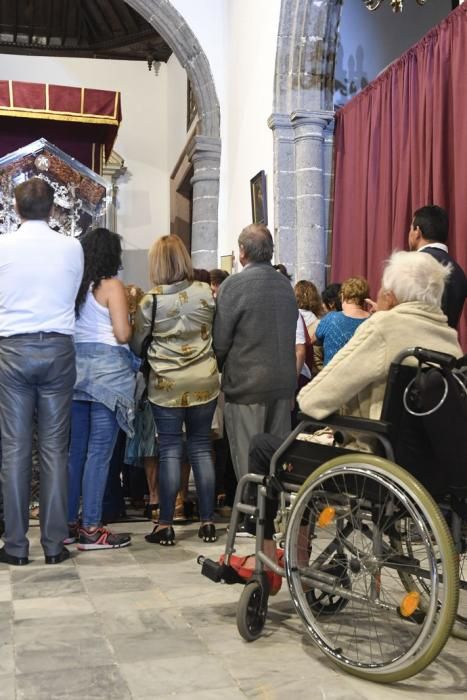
(183, 381)
(337, 327)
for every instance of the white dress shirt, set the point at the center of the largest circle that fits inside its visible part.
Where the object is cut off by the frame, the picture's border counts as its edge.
(441, 246)
(40, 274)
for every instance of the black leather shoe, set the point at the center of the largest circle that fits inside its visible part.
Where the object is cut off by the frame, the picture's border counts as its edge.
(6, 558)
(164, 536)
(57, 558)
(2, 527)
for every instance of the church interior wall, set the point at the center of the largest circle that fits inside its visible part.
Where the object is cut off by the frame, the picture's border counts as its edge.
(239, 40)
(251, 46)
(149, 104)
(370, 41)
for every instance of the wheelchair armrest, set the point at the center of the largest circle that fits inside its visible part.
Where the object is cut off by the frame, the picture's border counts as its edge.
(365, 425)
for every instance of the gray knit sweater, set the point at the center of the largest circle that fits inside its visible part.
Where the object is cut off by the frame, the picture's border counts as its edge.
(254, 335)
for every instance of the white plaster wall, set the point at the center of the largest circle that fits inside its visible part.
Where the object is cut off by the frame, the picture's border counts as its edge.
(252, 42)
(239, 38)
(144, 139)
(370, 41)
(176, 134)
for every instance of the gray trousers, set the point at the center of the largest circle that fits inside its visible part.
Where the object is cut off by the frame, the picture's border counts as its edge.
(1, 493)
(244, 421)
(37, 373)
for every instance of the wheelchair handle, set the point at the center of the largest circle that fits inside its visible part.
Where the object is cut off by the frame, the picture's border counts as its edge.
(423, 355)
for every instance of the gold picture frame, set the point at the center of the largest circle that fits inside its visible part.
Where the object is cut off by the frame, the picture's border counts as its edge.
(227, 263)
(259, 205)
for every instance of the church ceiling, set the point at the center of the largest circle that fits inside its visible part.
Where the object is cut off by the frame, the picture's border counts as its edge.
(79, 28)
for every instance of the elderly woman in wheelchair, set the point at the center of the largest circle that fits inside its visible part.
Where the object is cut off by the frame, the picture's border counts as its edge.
(370, 560)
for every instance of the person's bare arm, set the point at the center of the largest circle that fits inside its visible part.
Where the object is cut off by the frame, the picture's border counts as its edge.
(111, 293)
(300, 353)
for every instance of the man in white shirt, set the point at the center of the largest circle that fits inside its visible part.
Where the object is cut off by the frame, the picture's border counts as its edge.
(40, 273)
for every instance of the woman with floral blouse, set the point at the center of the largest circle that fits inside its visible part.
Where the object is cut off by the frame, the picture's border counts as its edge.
(183, 382)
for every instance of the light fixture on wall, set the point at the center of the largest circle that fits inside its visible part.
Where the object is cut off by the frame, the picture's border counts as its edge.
(153, 63)
(397, 5)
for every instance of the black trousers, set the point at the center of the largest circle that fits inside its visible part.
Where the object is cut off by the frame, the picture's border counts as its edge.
(262, 448)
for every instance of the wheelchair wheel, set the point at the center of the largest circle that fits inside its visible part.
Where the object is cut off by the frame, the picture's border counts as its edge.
(460, 623)
(340, 541)
(408, 543)
(251, 611)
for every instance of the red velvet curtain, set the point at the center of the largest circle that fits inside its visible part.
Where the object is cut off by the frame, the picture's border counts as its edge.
(401, 144)
(80, 121)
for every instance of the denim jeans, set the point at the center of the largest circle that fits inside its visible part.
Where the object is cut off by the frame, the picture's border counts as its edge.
(37, 374)
(169, 424)
(94, 430)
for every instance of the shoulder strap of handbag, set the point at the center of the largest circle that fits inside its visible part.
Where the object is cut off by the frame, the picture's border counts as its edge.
(153, 314)
(306, 332)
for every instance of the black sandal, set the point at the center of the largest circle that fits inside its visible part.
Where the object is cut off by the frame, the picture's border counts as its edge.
(164, 536)
(151, 511)
(207, 533)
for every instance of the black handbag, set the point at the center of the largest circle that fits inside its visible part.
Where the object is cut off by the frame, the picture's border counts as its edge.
(146, 344)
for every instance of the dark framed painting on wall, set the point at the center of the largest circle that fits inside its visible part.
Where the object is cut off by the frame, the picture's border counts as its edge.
(259, 205)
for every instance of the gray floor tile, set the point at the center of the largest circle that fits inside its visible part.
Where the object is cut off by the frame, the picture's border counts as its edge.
(142, 623)
(157, 645)
(52, 607)
(179, 676)
(7, 657)
(7, 687)
(102, 683)
(118, 584)
(41, 655)
(64, 627)
(46, 582)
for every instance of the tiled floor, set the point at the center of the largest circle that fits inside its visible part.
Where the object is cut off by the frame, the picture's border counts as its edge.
(142, 623)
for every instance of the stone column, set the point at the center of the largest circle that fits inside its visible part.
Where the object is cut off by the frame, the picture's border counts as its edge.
(284, 190)
(309, 135)
(204, 152)
(328, 192)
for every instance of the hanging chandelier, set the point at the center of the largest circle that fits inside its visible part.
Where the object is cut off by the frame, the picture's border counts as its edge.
(397, 5)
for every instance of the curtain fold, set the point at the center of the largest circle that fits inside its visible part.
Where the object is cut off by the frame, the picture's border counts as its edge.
(400, 144)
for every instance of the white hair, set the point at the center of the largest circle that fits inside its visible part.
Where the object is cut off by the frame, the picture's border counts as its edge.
(415, 276)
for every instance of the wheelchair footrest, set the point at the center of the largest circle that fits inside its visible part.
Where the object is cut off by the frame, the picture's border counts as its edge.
(219, 573)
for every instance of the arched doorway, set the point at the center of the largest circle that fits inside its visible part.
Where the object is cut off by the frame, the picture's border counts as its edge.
(205, 149)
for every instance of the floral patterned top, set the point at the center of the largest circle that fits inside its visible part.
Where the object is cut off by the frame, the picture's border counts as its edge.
(183, 367)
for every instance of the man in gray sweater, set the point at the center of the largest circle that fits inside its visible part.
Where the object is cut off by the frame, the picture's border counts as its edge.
(254, 341)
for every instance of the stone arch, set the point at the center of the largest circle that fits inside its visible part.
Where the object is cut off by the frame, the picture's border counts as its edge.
(205, 149)
(302, 123)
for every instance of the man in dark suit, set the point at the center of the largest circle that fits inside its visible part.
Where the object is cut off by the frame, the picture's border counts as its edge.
(429, 233)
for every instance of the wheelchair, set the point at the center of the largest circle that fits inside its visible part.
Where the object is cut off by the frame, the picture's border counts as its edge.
(375, 554)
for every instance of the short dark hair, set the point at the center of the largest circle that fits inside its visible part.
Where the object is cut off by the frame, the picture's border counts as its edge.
(331, 297)
(283, 270)
(34, 199)
(257, 243)
(201, 275)
(218, 276)
(433, 222)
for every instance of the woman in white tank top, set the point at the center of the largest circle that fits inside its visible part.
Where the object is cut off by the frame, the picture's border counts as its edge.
(104, 388)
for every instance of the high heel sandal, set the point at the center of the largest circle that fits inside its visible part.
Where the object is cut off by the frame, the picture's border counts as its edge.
(151, 511)
(207, 533)
(164, 536)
